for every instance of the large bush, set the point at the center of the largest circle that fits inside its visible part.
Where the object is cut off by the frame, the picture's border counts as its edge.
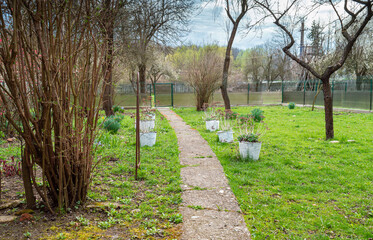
(201, 68)
(50, 62)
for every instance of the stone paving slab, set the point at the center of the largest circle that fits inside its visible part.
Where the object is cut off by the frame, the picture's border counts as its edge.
(210, 224)
(201, 151)
(195, 160)
(219, 199)
(9, 204)
(205, 185)
(7, 219)
(204, 177)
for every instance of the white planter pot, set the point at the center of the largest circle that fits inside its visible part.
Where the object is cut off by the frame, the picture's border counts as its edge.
(148, 139)
(225, 136)
(151, 116)
(250, 150)
(212, 125)
(146, 126)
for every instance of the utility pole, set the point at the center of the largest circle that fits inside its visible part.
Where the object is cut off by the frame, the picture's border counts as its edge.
(302, 57)
(302, 49)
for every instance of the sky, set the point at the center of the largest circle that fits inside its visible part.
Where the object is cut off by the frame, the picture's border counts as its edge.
(208, 27)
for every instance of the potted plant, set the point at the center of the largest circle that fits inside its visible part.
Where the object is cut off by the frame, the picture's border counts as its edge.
(249, 144)
(225, 134)
(148, 113)
(212, 120)
(147, 137)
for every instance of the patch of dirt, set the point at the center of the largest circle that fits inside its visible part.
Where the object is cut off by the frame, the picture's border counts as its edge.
(12, 187)
(41, 224)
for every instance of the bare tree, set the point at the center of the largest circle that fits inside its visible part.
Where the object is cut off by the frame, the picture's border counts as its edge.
(271, 70)
(159, 67)
(48, 56)
(154, 21)
(232, 8)
(359, 62)
(252, 65)
(127, 63)
(202, 70)
(352, 20)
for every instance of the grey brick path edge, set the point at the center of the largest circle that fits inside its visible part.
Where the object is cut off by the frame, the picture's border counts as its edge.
(204, 185)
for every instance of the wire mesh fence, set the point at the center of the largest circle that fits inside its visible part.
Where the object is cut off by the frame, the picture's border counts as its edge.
(163, 94)
(125, 95)
(346, 94)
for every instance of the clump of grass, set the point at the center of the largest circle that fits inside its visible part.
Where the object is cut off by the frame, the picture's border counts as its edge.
(176, 218)
(257, 114)
(196, 207)
(118, 109)
(82, 220)
(291, 105)
(112, 125)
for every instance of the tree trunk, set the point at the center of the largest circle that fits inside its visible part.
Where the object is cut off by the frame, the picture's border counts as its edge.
(142, 73)
(199, 106)
(243, 10)
(26, 177)
(202, 100)
(224, 83)
(328, 105)
(108, 64)
(360, 79)
(358, 83)
(107, 102)
(224, 94)
(256, 85)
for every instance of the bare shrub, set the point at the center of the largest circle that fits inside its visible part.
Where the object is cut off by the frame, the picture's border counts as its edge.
(203, 71)
(51, 62)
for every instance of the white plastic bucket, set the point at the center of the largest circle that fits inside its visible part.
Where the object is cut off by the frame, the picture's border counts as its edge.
(250, 150)
(148, 139)
(212, 125)
(146, 126)
(151, 116)
(225, 136)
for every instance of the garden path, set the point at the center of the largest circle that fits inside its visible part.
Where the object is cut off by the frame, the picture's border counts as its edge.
(210, 209)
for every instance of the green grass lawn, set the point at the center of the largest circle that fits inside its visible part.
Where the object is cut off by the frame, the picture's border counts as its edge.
(150, 205)
(302, 187)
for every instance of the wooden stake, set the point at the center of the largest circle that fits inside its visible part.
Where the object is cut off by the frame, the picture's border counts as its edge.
(137, 126)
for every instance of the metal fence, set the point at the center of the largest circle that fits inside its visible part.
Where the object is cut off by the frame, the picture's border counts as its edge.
(125, 95)
(346, 94)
